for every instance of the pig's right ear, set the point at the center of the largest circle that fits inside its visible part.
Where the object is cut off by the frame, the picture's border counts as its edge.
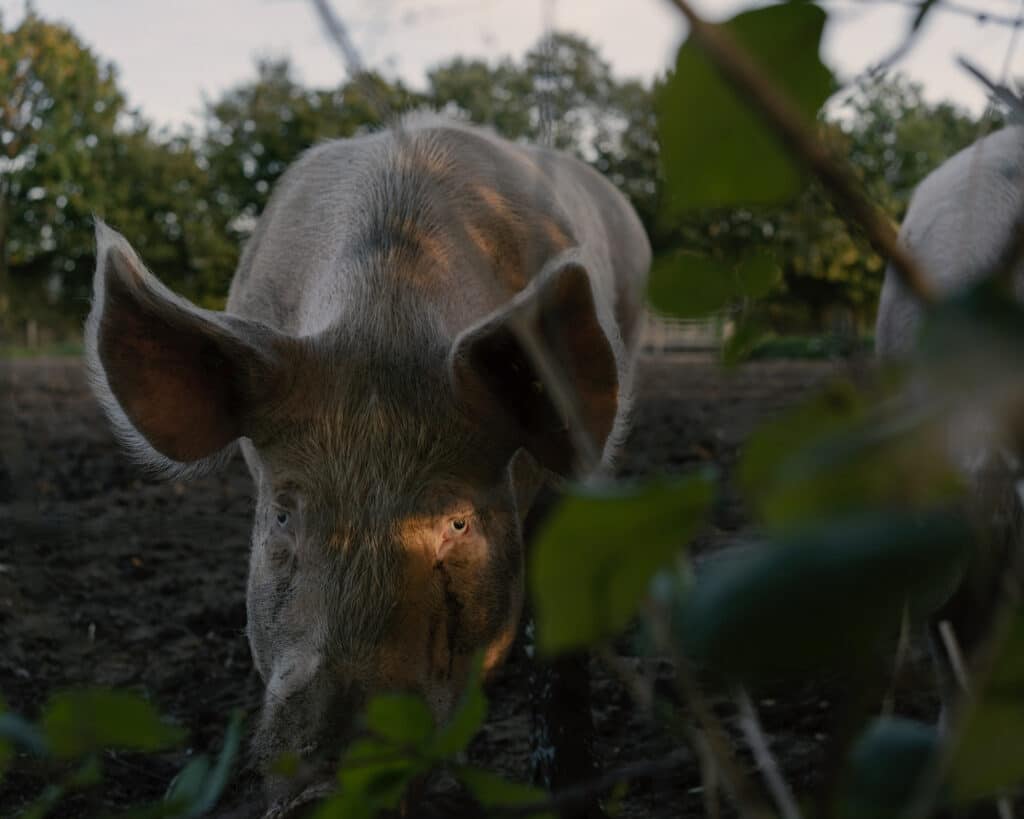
(179, 383)
(496, 378)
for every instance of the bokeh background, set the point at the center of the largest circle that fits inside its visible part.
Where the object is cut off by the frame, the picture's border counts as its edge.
(172, 121)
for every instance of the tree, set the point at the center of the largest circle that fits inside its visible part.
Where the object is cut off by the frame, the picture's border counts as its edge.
(61, 106)
(255, 130)
(892, 138)
(71, 151)
(563, 94)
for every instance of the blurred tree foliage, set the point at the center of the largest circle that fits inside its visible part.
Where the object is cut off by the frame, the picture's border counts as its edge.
(70, 147)
(255, 130)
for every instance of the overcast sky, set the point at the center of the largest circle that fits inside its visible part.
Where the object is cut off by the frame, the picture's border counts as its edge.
(172, 52)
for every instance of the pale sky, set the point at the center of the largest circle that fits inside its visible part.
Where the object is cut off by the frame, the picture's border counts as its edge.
(173, 52)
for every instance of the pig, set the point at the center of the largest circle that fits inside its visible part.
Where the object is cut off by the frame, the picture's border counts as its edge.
(960, 226)
(384, 364)
(960, 222)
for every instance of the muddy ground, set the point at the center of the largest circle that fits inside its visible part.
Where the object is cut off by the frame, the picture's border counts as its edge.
(110, 578)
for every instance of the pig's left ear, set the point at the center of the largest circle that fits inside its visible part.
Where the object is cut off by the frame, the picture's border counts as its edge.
(180, 384)
(497, 379)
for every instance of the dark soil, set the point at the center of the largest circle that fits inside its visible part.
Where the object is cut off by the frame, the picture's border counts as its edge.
(110, 578)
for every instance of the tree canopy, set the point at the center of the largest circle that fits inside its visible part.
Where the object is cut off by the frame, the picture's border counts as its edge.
(71, 148)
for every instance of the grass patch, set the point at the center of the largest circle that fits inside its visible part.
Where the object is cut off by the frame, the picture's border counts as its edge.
(63, 348)
(811, 347)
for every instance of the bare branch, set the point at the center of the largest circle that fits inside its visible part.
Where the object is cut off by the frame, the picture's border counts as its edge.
(716, 742)
(752, 730)
(338, 33)
(956, 657)
(978, 15)
(776, 109)
(1000, 92)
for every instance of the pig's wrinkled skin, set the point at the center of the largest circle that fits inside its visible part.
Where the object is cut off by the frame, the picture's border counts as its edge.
(960, 226)
(392, 421)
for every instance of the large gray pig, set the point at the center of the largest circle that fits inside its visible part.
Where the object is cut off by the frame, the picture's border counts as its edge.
(375, 363)
(960, 226)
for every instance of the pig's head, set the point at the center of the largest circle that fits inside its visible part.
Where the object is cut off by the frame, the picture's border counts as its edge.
(393, 467)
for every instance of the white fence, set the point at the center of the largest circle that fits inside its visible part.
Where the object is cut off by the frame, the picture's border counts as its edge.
(663, 334)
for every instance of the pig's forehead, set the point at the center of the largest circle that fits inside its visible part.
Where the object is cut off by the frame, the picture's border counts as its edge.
(402, 450)
(399, 476)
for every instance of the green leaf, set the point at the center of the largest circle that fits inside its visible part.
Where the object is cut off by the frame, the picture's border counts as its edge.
(18, 731)
(757, 272)
(885, 766)
(715, 151)
(44, 803)
(972, 346)
(402, 719)
(693, 285)
(797, 604)
(214, 780)
(594, 558)
(80, 722)
(467, 719)
(286, 765)
(746, 337)
(989, 757)
(186, 787)
(372, 778)
(836, 454)
(690, 285)
(491, 791)
(89, 773)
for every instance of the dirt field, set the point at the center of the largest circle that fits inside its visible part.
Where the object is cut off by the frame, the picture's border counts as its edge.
(109, 578)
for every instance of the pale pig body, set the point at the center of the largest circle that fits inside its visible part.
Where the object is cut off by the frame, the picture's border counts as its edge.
(395, 426)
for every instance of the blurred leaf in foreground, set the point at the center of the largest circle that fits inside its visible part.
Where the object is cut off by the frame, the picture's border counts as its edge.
(971, 349)
(885, 767)
(199, 786)
(372, 778)
(692, 285)
(469, 715)
(491, 791)
(403, 719)
(79, 722)
(595, 557)
(989, 758)
(838, 454)
(823, 596)
(404, 744)
(715, 151)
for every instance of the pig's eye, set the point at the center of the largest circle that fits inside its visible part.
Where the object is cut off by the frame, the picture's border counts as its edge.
(459, 525)
(282, 518)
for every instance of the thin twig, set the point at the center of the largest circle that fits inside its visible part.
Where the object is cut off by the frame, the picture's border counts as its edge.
(338, 32)
(748, 802)
(902, 652)
(1005, 607)
(956, 656)
(901, 51)
(708, 775)
(999, 91)
(752, 730)
(776, 109)
(953, 8)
